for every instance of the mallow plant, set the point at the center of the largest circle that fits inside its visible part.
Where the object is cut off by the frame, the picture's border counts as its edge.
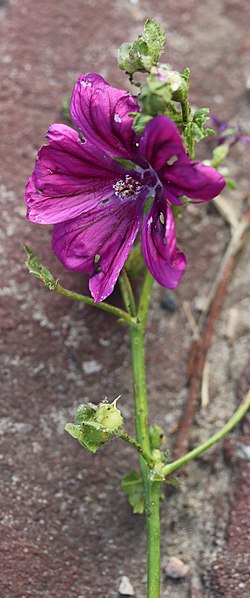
(113, 185)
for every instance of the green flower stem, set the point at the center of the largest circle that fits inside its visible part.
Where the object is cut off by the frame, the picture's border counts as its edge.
(185, 108)
(151, 488)
(145, 298)
(138, 447)
(234, 420)
(116, 311)
(127, 293)
(154, 537)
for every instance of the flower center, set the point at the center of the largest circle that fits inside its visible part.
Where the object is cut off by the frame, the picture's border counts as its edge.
(127, 188)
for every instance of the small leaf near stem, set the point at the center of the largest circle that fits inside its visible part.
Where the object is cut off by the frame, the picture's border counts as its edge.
(234, 420)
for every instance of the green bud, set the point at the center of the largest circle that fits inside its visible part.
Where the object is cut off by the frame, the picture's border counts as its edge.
(156, 436)
(144, 52)
(109, 417)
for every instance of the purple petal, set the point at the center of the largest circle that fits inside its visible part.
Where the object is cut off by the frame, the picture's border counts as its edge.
(101, 112)
(98, 243)
(161, 141)
(164, 260)
(192, 179)
(163, 148)
(70, 177)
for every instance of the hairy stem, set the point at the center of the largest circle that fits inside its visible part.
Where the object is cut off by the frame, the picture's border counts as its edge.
(116, 311)
(151, 488)
(146, 456)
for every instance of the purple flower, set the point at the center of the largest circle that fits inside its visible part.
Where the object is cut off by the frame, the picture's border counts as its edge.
(226, 133)
(100, 186)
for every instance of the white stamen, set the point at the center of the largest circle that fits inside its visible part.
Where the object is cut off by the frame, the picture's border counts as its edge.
(127, 188)
(117, 118)
(161, 218)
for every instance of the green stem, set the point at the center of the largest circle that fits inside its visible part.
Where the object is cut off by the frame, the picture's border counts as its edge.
(234, 420)
(154, 537)
(137, 446)
(116, 311)
(151, 488)
(145, 298)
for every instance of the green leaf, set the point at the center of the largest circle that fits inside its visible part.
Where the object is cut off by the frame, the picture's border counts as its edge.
(145, 51)
(155, 39)
(132, 486)
(37, 268)
(89, 437)
(140, 122)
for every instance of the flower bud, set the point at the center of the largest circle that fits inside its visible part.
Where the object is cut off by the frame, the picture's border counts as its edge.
(176, 83)
(109, 417)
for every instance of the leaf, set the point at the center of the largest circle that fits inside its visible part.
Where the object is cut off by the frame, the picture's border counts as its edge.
(132, 486)
(140, 122)
(90, 438)
(155, 39)
(145, 51)
(37, 268)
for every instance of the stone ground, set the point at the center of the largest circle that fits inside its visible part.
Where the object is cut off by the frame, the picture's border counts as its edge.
(67, 531)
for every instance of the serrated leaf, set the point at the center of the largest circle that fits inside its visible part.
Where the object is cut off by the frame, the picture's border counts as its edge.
(145, 51)
(89, 437)
(37, 268)
(155, 38)
(85, 413)
(132, 486)
(140, 122)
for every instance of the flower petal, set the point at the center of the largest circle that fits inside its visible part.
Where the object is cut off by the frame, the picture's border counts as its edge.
(101, 112)
(162, 146)
(164, 260)
(98, 243)
(70, 177)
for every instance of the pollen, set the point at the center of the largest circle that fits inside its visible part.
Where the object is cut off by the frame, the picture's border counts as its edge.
(127, 188)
